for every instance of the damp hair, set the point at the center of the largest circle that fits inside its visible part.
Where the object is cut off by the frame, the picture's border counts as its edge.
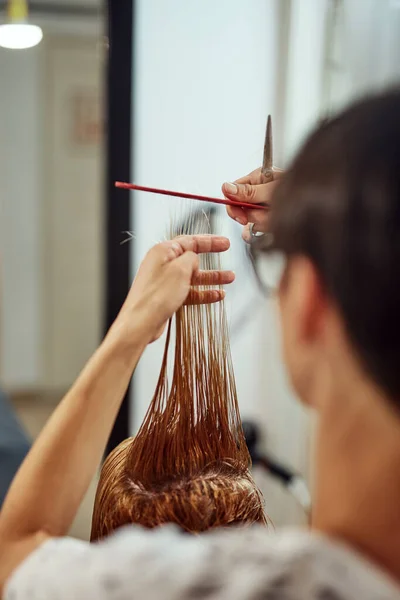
(189, 463)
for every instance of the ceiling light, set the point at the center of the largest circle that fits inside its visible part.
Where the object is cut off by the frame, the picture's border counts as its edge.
(18, 33)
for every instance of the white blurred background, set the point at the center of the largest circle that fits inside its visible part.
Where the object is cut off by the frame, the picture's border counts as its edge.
(206, 74)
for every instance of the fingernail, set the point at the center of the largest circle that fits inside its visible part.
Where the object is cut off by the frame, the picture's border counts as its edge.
(177, 248)
(231, 188)
(240, 221)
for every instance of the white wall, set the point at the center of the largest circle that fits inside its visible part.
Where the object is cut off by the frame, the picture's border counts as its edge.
(20, 247)
(305, 69)
(72, 207)
(366, 51)
(26, 309)
(203, 88)
(206, 77)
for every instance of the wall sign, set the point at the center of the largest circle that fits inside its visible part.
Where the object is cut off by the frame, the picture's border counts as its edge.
(86, 117)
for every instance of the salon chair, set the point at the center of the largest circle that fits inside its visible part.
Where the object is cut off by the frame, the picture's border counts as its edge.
(14, 445)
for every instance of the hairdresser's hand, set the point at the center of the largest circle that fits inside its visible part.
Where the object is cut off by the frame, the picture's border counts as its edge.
(164, 279)
(251, 188)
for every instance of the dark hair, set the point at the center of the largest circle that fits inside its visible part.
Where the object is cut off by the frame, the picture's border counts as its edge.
(339, 205)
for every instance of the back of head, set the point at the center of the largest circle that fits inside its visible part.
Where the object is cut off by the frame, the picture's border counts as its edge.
(339, 205)
(189, 462)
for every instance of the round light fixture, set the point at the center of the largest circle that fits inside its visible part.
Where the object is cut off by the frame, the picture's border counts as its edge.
(18, 33)
(18, 36)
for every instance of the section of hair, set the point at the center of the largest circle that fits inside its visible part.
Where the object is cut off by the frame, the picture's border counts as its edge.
(189, 463)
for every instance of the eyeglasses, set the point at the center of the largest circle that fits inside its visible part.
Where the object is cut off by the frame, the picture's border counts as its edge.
(268, 266)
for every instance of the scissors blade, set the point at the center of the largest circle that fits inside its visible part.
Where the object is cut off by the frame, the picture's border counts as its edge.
(267, 168)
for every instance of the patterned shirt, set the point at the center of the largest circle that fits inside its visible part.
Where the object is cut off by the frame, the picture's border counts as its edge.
(163, 564)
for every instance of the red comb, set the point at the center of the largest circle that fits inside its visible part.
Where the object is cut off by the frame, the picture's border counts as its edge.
(141, 188)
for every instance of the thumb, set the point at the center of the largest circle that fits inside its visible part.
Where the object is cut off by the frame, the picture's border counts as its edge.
(186, 265)
(246, 192)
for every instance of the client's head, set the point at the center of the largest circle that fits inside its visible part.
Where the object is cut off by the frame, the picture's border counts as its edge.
(218, 495)
(189, 462)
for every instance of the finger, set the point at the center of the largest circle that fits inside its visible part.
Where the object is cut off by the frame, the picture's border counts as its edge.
(259, 218)
(168, 251)
(246, 234)
(245, 192)
(234, 212)
(237, 214)
(202, 243)
(164, 252)
(204, 297)
(213, 278)
(185, 266)
(256, 177)
(257, 228)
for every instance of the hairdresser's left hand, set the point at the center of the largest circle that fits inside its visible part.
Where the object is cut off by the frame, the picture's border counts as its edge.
(164, 279)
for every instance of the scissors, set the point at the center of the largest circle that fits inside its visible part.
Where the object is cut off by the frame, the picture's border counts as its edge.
(267, 171)
(267, 168)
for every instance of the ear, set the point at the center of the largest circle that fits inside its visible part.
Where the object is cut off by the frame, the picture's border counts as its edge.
(304, 296)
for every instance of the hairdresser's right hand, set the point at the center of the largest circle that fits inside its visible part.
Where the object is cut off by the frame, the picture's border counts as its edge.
(253, 188)
(164, 279)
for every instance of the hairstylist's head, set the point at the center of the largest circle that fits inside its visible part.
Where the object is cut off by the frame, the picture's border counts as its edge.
(336, 221)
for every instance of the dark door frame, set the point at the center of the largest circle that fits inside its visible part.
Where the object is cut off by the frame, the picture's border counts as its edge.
(118, 167)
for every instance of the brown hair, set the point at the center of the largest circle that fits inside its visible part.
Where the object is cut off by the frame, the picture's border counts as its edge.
(189, 463)
(339, 205)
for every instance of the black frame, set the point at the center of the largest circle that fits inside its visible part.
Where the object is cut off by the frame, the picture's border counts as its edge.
(119, 161)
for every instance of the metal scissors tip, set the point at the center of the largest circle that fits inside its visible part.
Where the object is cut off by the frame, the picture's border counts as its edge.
(267, 167)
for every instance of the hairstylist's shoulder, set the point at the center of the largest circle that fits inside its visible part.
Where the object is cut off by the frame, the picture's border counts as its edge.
(164, 563)
(131, 563)
(45, 569)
